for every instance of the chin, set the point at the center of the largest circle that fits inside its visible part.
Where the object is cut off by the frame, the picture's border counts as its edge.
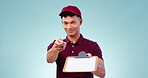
(70, 34)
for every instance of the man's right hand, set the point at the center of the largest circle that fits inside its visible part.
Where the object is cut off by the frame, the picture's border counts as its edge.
(59, 45)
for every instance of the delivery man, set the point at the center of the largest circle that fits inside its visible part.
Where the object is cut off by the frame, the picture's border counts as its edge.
(74, 43)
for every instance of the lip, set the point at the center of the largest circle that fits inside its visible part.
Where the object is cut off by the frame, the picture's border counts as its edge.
(70, 31)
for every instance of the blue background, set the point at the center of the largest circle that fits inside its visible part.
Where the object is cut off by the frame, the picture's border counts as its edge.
(27, 27)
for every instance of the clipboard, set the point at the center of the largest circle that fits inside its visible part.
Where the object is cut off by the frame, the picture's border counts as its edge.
(80, 63)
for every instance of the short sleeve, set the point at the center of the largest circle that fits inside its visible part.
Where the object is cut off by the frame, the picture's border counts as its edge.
(97, 51)
(50, 46)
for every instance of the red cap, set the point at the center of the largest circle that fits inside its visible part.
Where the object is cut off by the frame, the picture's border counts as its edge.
(72, 9)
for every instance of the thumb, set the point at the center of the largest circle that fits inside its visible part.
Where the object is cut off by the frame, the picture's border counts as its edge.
(89, 54)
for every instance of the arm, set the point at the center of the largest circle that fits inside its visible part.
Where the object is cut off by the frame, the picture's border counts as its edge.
(52, 55)
(100, 72)
(57, 47)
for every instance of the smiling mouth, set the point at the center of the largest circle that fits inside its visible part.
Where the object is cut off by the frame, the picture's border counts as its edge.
(70, 31)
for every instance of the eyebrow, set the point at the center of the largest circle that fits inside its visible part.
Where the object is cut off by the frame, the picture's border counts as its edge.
(70, 21)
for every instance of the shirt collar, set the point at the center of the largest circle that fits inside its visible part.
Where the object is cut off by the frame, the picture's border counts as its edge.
(78, 42)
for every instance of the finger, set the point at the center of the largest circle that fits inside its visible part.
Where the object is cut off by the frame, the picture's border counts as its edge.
(60, 40)
(65, 43)
(89, 54)
(60, 43)
(57, 43)
(60, 46)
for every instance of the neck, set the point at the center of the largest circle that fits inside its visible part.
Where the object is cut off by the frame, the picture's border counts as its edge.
(74, 38)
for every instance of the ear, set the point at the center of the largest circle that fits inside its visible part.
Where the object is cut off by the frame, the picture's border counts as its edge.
(61, 20)
(81, 20)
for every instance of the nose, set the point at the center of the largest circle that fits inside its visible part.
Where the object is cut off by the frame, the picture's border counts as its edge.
(69, 26)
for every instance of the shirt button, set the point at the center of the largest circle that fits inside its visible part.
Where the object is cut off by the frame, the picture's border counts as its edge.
(73, 46)
(72, 51)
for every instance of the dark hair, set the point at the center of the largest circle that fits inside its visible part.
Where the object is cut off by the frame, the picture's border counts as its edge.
(68, 13)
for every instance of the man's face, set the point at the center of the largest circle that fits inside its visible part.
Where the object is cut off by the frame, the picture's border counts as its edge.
(71, 25)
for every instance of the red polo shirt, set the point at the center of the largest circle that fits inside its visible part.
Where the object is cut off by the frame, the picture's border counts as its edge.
(71, 49)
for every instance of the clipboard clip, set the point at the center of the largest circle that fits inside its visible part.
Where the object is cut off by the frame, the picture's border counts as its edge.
(82, 54)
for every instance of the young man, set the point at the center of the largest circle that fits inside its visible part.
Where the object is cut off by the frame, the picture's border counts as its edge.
(73, 44)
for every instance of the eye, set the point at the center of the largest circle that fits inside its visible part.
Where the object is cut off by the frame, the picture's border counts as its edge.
(65, 23)
(73, 22)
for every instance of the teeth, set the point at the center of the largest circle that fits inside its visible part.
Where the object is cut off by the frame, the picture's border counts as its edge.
(72, 29)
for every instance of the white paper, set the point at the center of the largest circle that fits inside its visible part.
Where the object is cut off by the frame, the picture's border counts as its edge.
(80, 64)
